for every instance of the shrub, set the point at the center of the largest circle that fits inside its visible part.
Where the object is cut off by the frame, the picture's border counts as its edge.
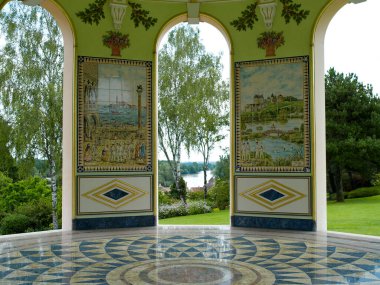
(181, 191)
(196, 196)
(174, 210)
(198, 207)
(23, 191)
(39, 213)
(364, 192)
(179, 209)
(165, 199)
(376, 180)
(219, 195)
(15, 224)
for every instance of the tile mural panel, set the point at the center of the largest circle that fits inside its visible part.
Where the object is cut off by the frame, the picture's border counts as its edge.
(272, 115)
(114, 115)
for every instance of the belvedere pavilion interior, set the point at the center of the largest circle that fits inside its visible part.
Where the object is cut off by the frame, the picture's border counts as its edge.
(278, 232)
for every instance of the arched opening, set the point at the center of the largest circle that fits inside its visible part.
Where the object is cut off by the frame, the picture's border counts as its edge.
(68, 78)
(223, 39)
(319, 47)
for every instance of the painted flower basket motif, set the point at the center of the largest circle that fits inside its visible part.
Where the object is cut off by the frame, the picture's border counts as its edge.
(116, 41)
(270, 41)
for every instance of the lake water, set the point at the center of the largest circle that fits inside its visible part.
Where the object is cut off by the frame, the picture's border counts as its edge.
(196, 180)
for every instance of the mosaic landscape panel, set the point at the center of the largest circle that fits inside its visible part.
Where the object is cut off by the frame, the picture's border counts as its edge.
(114, 115)
(272, 115)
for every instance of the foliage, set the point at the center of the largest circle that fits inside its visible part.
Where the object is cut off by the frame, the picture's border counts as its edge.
(5, 181)
(180, 191)
(39, 213)
(179, 209)
(165, 198)
(139, 15)
(247, 19)
(94, 13)
(7, 161)
(116, 39)
(173, 210)
(14, 224)
(352, 128)
(23, 191)
(376, 179)
(198, 207)
(292, 10)
(219, 195)
(178, 71)
(364, 192)
(196, 196)
(189, 81)
(222, 167)
(270, 38)
(31, 71)
(165, 175)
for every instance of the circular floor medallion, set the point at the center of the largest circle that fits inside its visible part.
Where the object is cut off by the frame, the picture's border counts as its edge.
(190, 271)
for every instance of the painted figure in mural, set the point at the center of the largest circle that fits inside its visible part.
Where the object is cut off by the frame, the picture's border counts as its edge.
(87, 153)
(142, 151)
(105, 154)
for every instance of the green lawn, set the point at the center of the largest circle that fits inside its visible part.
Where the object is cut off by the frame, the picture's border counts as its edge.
(359, 216)
(215, 218)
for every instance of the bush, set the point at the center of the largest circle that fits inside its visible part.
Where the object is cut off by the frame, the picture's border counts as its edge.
(165, 199)
(15, 224)
(174, 210)
(198, 207)
(364, 192)
(196, 196)
(376, 180)
(219, 195)
(23, 191)
(179, 209)
(39, 213)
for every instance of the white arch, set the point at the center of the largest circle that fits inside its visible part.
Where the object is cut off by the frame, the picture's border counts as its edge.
(170, 24)
(321, 26)
(68, 97)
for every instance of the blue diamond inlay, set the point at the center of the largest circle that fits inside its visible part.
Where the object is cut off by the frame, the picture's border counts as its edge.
(116, 194)
(272, 195)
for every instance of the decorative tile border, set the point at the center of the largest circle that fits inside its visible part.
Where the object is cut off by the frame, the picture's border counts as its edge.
(269, 94)
(114, 194)
(114, 115)
(273, 195)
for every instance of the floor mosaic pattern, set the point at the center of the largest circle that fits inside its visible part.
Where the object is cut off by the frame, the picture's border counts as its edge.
(186, 258)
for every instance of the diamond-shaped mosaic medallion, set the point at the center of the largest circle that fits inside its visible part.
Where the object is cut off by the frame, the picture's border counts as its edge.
(115, 194)
(272, 195)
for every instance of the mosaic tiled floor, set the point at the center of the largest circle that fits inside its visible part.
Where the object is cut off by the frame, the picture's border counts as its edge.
(200, 258)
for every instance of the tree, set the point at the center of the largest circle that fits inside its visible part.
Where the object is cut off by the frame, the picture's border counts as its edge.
(222, 168)
(211, 114)
(186, 73)
(31, 65)
(352, 128)
(7, 164)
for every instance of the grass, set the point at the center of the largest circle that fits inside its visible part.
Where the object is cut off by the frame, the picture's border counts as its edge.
(214, 218)
(359, 216)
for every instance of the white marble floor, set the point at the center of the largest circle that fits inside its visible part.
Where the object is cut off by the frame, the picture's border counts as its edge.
(189, 255)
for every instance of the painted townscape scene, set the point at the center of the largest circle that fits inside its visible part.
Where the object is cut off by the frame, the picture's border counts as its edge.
(115, 116)
(272, 119)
